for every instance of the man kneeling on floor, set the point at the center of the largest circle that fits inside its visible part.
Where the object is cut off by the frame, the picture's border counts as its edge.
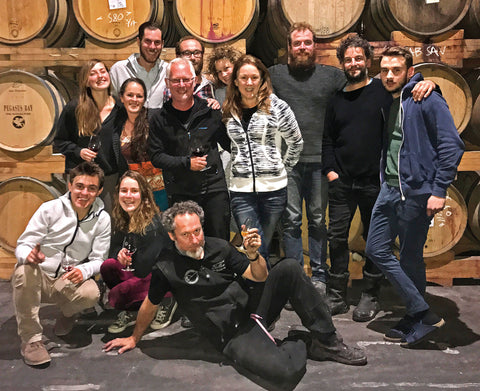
(64, 245)
(207, 277)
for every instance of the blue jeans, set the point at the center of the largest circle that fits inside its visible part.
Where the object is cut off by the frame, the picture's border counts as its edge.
(407, 219)
(264, 208)
(306, 182)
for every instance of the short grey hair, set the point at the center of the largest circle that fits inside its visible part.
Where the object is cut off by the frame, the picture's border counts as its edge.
(181, 208)
(179, 60)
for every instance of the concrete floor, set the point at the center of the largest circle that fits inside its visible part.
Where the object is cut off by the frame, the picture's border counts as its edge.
(178, 359)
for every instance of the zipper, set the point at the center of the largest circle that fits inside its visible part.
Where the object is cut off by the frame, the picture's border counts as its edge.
(66, 246)
(399, 149)
(250, 155)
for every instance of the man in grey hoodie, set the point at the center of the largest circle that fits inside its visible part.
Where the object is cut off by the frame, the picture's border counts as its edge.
(145, 65)
(63, 246)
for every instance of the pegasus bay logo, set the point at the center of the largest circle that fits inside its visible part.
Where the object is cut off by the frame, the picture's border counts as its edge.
(191, 277)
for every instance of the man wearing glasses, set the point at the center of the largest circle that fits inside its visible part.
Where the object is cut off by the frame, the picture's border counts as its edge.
(183, 143)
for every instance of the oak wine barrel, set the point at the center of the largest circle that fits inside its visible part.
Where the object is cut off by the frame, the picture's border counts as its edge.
(454, 88)
(30, 105)
(421, 18)
(24, 20)
(471, 21)
(214, 21)
(472, 132)
(20, 197)
(107, 24)
(329, 19)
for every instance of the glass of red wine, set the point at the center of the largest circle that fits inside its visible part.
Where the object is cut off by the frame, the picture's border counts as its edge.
(198, 151)
(67, 264)
(129, 244)
(95, 143)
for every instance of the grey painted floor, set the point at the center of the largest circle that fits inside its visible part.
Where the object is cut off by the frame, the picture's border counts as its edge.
(178, 359)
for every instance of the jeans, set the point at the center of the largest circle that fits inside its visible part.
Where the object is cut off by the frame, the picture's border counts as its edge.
(264, 208)
(253, 350)
(408, 219)
(344, 195)
(306, 182)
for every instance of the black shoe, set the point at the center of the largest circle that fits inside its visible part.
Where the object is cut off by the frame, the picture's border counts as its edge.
(185, 322)
(398, 332)
(336, 305)
(367, 308)
(334, 349)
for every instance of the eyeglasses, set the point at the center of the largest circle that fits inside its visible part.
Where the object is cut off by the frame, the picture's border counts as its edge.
(177, 82)
(188, 53)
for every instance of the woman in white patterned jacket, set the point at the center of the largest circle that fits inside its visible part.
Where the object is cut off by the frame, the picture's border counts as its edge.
(257, 121)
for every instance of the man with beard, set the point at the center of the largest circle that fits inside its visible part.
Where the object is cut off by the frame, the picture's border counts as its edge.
(419, 161)
(352, 146)
(306, 87)
(145, 65)
(208, 278)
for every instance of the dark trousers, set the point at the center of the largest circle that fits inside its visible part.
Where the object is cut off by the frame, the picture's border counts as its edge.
(252, 349)
(216, 206)
(344, 195)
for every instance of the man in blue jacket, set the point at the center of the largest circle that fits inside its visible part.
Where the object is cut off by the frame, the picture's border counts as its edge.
(420, 157)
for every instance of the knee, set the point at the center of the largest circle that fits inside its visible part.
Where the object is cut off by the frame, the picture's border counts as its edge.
(288, 266)
(90, 292)
(108, 266)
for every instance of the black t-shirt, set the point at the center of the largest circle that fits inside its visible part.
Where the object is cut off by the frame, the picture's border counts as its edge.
(209, 291)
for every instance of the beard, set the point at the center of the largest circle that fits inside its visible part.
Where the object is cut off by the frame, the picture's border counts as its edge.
(148, 58)
(358, 78)
(198, 67)
(301, 64)
(197, 254)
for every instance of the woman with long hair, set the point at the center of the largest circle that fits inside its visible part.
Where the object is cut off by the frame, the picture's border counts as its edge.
(257, 121)
(138, 238)
(86, 126)
(133, 137)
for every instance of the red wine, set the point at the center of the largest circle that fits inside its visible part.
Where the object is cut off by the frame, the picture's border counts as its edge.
(68, 268)
(198, 152)
(94, 148)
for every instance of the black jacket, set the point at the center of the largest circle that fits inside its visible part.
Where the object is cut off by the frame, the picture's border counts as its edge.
(170, 144)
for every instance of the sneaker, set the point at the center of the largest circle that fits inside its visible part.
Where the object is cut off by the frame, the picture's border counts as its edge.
(333, 349)
(185, 322)
(64, 324)
(367, 308)
(34, 353)
(165, 312)
(398, 332)
(422, 328)
(125, 319)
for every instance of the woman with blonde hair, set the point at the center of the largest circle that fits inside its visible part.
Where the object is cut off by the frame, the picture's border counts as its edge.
(257, 122)
(138, 238)
(86, 126)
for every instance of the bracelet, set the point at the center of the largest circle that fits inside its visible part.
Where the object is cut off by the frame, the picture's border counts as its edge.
(254, 259)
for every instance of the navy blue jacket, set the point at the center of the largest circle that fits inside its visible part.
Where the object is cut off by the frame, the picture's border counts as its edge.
(431, 148)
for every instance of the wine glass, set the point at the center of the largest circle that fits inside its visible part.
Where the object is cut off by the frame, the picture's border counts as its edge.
(247, 225)
(129, 244)
(198, 150)
(67, 263)
(95, 143)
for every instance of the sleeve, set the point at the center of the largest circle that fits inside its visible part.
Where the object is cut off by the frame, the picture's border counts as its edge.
(449, 146)
(328, 150)
(67, 133)
(100, 247)
(36, 231)
(158, 151)
(116, 243)
(222, 136)
(159, 286)
(149, 248)
(290, 131)
(236, 261)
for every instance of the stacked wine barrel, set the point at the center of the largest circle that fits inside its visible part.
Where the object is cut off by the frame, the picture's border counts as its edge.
(32, 97)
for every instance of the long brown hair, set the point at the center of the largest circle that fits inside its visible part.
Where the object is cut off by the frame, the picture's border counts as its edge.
(87, 113)
(138, 143)
(233, 101)
(145, 212)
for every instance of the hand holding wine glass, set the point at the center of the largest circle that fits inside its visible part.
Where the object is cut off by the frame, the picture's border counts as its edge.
(94, 144)
(198, 157)
(246, 227)
(130, 246)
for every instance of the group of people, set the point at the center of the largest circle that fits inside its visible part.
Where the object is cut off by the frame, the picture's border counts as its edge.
(171, 140)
